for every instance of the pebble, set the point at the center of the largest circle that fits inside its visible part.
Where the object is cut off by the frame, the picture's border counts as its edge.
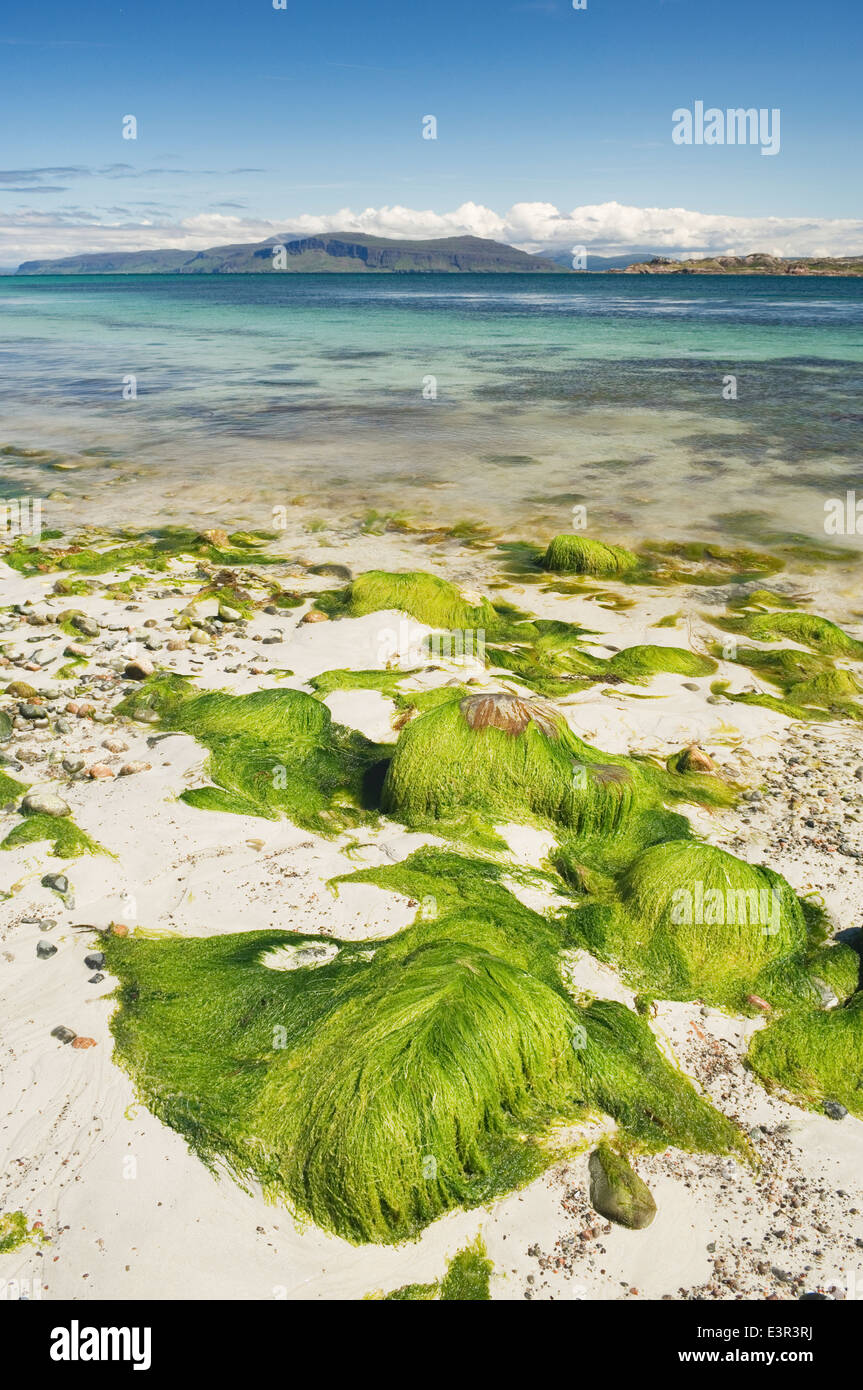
(129, 769)
(139, 669)
(99, 771)
(63, 1035)
(44, 949)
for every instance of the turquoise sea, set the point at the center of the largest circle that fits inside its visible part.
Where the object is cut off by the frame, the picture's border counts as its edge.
(502, 399)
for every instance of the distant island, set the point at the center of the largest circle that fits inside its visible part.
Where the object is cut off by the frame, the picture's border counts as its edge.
(757, 264)
(340, 253)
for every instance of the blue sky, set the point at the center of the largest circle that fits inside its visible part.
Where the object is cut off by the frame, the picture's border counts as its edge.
(252, 118)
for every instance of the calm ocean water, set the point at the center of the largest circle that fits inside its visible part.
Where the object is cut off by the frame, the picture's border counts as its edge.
(505, 399)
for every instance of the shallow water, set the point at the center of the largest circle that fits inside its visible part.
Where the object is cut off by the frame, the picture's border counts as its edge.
(605, 391)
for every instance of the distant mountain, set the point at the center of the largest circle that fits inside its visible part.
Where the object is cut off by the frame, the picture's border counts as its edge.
(341, 252)
(599, 263)
(756, 264)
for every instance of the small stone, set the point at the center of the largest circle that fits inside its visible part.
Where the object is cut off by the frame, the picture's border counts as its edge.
(58, 882)
(115, 745)
(72, 765)
(229, 615)
(47, 924)
(76, 649)
(63, 1035)
(331, 571)
(315, 616)
(694, 759)
(20, 690)
(129, 769)
(216, 537)
(88, 626)
(44, 949)
(834, 1110)
(139, 669)
(27, 710)
(83, 1042)
(199, 638)
(44, 804)
(95, 979)
(95, 960)
(100, 771)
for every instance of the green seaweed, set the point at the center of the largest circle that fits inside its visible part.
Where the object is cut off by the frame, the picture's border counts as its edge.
(386, 1087)
(426, 597)
(153, 550)
(690, 921)
(569, 554)
(272, 753)
(61, 832)
(15, 1232)
(466, 1280)
(816, 1056)
(10, 789)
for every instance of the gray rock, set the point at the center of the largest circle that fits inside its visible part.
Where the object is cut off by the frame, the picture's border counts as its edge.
(44, 804)
(72, 765)
(834, 1110)
(331, 571)
(63, 1035)
(31, 711)
(59, 882)
(617, 1192)
(95, 960)
(5, 727)
(88, 626)
(95, 979)
(44, 949)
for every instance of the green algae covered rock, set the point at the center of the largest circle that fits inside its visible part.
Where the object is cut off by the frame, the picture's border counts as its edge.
(385, 1087)
(426, 597)
(816, 1056)
(503, 757)
(569, 554)
(617, 1192)
(810, 630)
(272, 753)
(637, 664)
(693, 921)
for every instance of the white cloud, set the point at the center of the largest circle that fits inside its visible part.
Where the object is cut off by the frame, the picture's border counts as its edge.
(605, 228)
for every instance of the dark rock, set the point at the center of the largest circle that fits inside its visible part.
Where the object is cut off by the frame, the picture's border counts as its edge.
(834, 1110)
(44, 950)
(63, 1035)
(95, 960)
(96, 979)
(59, 882)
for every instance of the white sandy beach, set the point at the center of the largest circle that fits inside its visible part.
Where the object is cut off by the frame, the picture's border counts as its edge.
(128, 1212)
